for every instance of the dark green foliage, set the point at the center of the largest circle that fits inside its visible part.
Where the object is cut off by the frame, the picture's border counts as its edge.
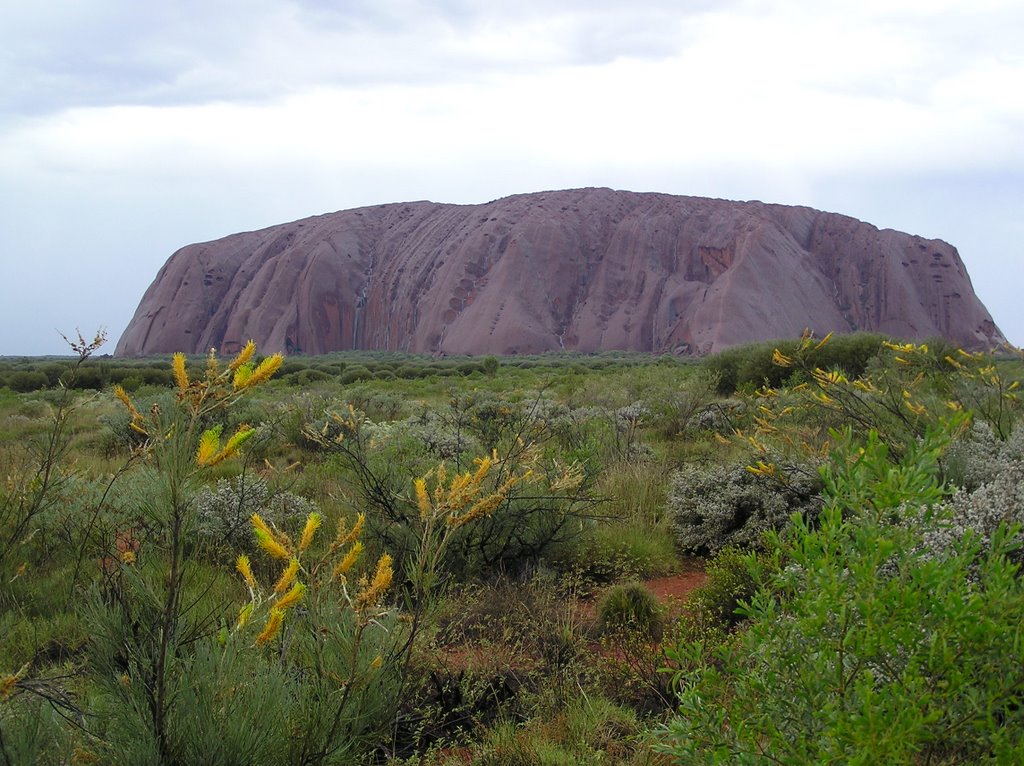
(307, 377)
(24, 381)
(354, 373)
(490, 365)
(718, 603)
(751, 365)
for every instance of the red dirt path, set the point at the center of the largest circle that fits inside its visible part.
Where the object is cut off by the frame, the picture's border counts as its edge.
(673, 590)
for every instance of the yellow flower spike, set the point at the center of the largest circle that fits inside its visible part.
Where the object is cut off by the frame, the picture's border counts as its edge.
(245, 569)
(292, 597)
(122, 396)
(244, 615)
(917, 409)
(258, 523)
(349, 561)
(1014, 386)
(422, 498)
(242, 377)
(823, 341)
(287, 576)
(459, 492)
(955, 406)
(339, 536)
(8, 682)
(762, 469)
(313, 522)
(209, 446)
(382, 577)
(357, 529)
(480, 508)
(377, 662)
(243, 356)
(381, 582)
(483, 466)
(780, 359)
(180, 375)
(270, 544)
(240, 437)
(265, 370)
(272, 627)
(721, 439)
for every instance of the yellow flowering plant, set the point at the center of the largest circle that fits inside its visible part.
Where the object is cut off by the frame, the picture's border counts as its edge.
(148, 610)
(326, 614)
(909, 389)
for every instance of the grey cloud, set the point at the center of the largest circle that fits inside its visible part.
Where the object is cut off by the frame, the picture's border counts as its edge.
(56, 55)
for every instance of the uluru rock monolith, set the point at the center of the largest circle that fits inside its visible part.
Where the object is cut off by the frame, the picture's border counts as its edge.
(580, 270)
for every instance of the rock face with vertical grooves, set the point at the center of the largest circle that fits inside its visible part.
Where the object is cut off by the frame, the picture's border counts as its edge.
(581, 270)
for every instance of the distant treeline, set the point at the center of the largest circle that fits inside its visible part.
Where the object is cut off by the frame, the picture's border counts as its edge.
(23, 374)
(740, 367)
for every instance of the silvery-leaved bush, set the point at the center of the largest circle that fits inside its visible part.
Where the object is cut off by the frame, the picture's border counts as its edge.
(721, 506)
(223, 511)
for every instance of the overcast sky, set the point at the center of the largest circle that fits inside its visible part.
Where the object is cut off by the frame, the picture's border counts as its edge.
(129, 129)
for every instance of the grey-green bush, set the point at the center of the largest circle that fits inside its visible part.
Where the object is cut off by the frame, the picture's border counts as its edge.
(716, 506)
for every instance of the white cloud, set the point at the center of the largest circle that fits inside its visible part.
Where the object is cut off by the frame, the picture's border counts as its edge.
(194, 119)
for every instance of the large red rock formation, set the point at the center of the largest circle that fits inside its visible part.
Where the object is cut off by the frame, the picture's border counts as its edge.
(582, 270)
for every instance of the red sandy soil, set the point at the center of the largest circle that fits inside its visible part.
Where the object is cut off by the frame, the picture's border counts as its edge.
(673, 590)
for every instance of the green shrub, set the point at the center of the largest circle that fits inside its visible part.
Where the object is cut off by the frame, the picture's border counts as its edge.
(750, 365)
(490, 365)
(307, 377)
(354, 373)
(630, 608)
(866, 646)
(718, 603)
(24, 381)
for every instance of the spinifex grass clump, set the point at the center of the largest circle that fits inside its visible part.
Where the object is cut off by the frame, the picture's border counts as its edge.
(630, 607)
